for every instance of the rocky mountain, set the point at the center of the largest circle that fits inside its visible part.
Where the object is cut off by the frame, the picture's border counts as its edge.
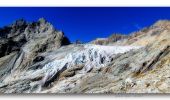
(111, 39)
(36, 58)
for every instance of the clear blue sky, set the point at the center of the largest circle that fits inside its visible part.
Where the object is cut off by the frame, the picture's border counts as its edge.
(87, 24)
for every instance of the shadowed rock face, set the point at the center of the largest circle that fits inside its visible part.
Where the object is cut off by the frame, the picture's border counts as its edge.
(36, 58)
(39, 34)
(25, 41)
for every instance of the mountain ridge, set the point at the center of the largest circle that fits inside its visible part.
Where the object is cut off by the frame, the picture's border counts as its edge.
(36, 58)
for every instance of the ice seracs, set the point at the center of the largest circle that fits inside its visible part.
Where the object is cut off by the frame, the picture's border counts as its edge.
(92, 56)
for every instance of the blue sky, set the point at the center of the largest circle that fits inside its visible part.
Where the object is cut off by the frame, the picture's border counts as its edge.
(88, 23)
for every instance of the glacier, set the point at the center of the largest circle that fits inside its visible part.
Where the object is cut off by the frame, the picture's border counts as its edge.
(92, 57)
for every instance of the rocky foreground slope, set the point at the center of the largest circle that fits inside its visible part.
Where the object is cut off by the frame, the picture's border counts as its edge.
(36, 58)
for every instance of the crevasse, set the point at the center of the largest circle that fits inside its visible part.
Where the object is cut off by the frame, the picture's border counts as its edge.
(92, 56)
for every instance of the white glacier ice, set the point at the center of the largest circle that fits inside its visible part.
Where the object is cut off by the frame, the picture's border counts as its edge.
(92, 56)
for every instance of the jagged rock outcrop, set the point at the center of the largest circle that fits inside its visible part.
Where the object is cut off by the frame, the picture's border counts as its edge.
(22, 42)
(106, 41)
(34, 37)
(45, 63)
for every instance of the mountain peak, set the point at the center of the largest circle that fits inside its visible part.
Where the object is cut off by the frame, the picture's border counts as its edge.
(23, 35)
(33, 59)
(19, 22)
(43, 20)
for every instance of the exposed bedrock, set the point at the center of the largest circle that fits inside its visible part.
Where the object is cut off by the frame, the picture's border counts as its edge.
(37, 58)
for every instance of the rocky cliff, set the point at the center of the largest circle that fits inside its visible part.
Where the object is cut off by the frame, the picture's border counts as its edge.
(36, 58)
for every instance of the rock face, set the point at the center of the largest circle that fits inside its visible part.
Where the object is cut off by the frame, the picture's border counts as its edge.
(36, 58)
(22, 42)
(113, 38)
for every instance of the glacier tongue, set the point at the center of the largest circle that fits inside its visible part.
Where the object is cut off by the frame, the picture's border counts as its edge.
(92, 56)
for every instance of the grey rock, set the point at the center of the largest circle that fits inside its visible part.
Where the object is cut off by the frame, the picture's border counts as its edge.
(46, 62)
